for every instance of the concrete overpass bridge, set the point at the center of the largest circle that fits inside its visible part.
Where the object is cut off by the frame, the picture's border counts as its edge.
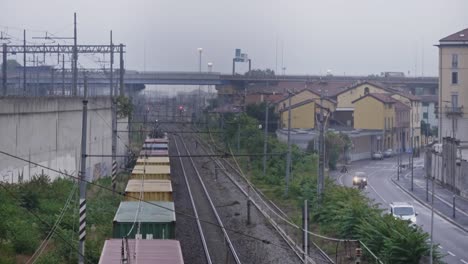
(138, 79)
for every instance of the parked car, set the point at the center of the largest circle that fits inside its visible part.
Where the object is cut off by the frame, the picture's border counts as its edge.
(377, 155)
(388, 153)
(360, 179)
(403, 211)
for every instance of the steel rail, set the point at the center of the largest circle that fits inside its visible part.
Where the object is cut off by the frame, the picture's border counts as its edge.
(200, 229)
(208, 197)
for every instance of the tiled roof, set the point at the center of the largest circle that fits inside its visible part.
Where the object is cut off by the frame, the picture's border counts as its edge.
(379, 85)
(317, 102)
(329, 88)
(459, 36)
(401, 106)
(384, 98)
(429, 98)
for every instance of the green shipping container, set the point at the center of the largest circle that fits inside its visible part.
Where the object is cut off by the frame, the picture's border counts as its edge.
(156, 220)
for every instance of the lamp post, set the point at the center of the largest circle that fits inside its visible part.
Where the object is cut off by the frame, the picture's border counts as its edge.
(210, 69)
(200, 51)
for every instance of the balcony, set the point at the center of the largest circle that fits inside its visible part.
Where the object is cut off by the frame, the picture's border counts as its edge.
(454, 110)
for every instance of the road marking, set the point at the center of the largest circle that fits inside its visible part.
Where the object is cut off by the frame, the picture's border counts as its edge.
(450, 253)
(340, 179)
(377, 193)
(462, 260)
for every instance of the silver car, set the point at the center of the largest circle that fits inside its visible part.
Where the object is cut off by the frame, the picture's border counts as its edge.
(377, 155)
(388, 153)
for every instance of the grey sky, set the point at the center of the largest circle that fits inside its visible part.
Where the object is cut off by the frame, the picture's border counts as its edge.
(352, 37)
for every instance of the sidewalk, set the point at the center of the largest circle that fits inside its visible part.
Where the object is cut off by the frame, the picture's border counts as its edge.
(443, 198)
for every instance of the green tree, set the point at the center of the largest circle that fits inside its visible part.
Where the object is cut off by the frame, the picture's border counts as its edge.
(124, 106)
(260, 73)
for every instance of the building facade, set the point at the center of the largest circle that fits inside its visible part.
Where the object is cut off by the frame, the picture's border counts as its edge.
(453, 86)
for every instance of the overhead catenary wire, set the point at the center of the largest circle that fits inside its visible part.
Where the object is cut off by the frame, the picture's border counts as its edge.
(44, 243)
(43, 221)
(265, 241)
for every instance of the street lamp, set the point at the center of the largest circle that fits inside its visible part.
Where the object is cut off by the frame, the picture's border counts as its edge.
(210, 69)
(200, 51)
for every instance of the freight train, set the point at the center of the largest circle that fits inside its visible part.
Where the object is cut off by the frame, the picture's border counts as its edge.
(144, 225)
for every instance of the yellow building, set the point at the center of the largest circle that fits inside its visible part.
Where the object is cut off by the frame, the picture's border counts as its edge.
(301, 96)
(453, 86)
(375, 111)
(345, 98)
(303, 114)
(414, 103)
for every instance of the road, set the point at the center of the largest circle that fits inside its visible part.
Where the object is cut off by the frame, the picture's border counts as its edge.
(452, 240)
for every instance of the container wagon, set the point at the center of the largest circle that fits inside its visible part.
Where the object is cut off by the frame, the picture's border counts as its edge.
(154, 153)
(147, 251)
(153, 161)
(151, 172)
(157, 222)
(153, 190)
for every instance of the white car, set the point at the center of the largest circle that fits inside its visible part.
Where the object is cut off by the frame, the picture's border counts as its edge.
(388, 153)
(404, 211)
(377, 155)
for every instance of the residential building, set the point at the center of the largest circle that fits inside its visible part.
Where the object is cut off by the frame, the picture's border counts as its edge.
(453, 86)
(414, 103)
(304, 114)
(387, 117)
(429, 106)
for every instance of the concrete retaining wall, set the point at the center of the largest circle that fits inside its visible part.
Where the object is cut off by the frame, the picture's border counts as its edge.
(47, 130)
(461, 174)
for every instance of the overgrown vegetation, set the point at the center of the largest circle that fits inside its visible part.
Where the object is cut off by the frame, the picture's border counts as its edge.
(21, 233)
(124, 106)
(344, 212)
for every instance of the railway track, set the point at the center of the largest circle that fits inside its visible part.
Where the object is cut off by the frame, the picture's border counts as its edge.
(273, 214)
(218, 247)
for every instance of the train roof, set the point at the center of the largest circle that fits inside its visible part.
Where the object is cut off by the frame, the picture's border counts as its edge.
(156, 140)
(154, 153)
(151, 169)
(157, 212)
(147, 251)
(134, 185)
(150, 160)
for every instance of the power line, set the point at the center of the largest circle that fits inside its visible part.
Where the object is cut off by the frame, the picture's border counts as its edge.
(265, 241)
(41, 220)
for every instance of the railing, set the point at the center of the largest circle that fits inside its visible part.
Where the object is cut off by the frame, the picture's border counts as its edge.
(454, 110)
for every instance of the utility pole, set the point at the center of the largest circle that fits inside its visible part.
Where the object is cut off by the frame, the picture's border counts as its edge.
(75, 60)
(432, 212)
(4, 70)
(24, 63)
(63, 74)
(82, 222)
(238, 134)
(122, 71)
(200, 50)
(412, 145)
(305, 218)
(114, 115)
(399, 153)
(288, 157)
(321, 168)
(265, 138)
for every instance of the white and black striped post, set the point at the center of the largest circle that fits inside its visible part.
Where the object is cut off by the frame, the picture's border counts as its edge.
(114, 116)
(82, 223)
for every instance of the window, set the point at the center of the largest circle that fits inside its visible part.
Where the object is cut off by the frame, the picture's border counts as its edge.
(425, 116)
(366, 90)
(454, 60)
(454, 77)
(425, 104)
(454, 101)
